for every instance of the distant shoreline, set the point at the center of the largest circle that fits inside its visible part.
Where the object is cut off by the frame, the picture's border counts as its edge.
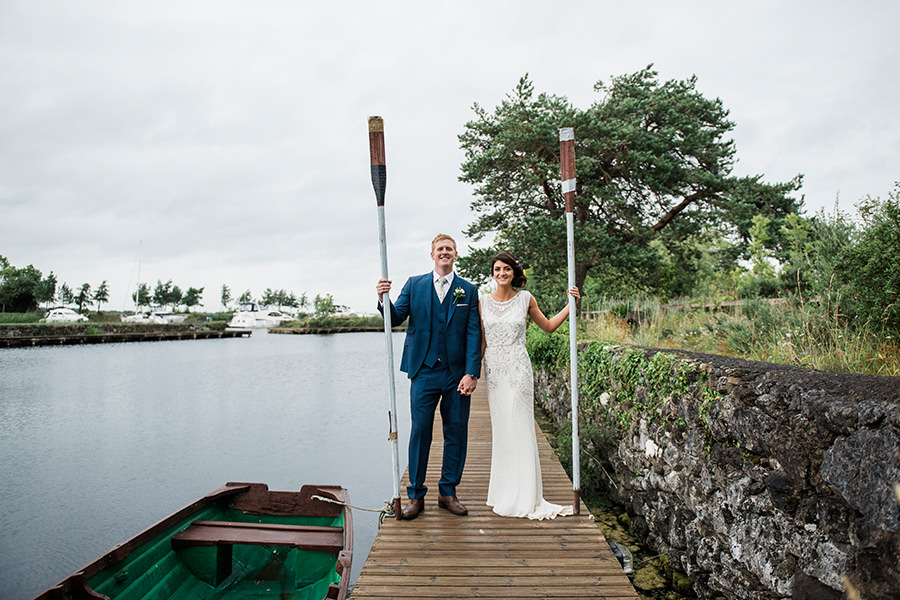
(330, 330)
(147, 335)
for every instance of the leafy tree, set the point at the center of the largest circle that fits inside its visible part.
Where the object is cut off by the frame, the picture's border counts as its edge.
(281, 298)
(46, 290)
(696, 262)
(101, 294)
(192, 297)
(21, 290)
(161, 292)
(796, 273)
(141, 296)
(176, 297)
(324, 306)
(761, 281)
(832, 237)
(299, 302)
(872, 265)
(269, 297)
(65, 295)
(284, 298)
(760, 257)
(653, 162)
(245, 297)
(226, 295)
(84, 296)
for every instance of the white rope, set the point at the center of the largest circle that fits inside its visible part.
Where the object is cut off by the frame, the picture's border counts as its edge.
(387, 510)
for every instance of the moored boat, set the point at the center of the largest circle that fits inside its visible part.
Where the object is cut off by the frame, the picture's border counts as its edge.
(144, 317)
(155, 318)
(239, 541)
(62, 314)
(252, 315)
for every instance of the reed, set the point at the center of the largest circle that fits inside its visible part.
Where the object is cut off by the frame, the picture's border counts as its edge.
(796, 331)
(12, 318)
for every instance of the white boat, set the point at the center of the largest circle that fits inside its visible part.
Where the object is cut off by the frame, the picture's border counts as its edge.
(145, 317)
(171, 317)
(252, 315)
(154, 317)
(61, 314)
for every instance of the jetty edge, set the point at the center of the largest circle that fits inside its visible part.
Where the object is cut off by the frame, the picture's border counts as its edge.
(484, 555)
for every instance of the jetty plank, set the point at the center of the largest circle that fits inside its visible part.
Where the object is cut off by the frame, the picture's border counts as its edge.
(482, 555)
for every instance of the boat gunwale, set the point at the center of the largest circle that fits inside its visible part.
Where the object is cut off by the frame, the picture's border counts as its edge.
(76, 582)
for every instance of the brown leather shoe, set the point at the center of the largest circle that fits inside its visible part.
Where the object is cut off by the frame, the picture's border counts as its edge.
(413, 508)
(452, 504)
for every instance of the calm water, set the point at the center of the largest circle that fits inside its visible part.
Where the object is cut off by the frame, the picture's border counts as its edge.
(99, 442)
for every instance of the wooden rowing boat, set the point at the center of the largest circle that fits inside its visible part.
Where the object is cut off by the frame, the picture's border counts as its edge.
(239, 541)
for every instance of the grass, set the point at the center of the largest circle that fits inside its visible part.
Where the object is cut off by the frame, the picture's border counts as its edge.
(336, 321)
(790, 331)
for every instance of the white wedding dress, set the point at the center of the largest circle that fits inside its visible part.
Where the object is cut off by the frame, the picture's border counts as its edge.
(515, 488)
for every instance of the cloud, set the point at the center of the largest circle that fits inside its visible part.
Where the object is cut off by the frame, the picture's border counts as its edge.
(228, 140)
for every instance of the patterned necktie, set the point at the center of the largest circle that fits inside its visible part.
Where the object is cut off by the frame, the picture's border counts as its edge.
(442, 282)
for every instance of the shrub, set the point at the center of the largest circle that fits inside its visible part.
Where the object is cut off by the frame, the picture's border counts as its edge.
(548, 350)
(341, 321)
(872, 265)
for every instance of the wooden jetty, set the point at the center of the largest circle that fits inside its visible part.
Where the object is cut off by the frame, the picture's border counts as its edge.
(116, 338)
(482, 555)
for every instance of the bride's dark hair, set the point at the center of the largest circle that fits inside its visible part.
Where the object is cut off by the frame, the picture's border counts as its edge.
(519, 279)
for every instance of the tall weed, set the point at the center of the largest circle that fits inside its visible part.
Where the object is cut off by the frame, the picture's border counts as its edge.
(14, 318)
(797, 331)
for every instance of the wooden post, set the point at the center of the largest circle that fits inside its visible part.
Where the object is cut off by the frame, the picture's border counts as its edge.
(379, 182)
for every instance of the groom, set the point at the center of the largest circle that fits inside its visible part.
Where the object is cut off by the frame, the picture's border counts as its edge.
(442, 357)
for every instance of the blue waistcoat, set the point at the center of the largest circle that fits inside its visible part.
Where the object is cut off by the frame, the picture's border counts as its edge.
(437, 343)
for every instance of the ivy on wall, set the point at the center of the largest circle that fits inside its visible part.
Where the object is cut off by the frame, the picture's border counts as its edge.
(618, 387)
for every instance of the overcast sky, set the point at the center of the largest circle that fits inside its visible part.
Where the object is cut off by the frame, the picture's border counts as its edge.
(226, 142)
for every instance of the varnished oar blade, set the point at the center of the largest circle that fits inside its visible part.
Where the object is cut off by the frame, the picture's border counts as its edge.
(376, 155)
(567, 165)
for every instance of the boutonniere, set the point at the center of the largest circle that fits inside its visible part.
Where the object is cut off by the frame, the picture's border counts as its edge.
(459, 294)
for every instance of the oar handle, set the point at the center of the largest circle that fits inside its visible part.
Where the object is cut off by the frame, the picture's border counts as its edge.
(376, 156)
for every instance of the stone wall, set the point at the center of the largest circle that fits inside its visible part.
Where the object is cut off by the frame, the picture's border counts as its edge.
(759, 481)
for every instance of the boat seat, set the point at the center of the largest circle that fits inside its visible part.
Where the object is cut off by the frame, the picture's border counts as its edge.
(225, 534)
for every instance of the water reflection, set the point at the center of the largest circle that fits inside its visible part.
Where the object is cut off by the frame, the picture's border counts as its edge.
(98, 442)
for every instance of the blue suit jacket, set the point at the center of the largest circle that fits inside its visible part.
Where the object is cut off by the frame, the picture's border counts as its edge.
(463, 327)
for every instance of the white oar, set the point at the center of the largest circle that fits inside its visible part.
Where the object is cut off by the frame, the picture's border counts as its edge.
(379, 182)
(567, 167)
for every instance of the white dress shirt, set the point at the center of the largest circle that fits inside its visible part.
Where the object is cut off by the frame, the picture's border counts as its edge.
(437, 282)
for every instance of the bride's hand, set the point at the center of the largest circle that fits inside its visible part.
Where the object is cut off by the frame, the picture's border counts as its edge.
(574, 292)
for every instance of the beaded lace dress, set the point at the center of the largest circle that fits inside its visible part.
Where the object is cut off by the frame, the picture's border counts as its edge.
(515, 488)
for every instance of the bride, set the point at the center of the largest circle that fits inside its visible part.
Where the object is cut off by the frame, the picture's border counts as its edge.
(515, 488)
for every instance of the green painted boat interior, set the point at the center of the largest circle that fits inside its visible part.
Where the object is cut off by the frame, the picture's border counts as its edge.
(156, 571)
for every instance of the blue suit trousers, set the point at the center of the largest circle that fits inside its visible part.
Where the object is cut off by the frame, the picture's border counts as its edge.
(430, 388)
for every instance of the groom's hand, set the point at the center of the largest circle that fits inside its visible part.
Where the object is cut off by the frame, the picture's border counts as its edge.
(467, 385)
(382, 287)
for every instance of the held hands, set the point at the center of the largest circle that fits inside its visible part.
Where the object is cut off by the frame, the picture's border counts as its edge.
(564, 313)
(467, 385)
(383, 286)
